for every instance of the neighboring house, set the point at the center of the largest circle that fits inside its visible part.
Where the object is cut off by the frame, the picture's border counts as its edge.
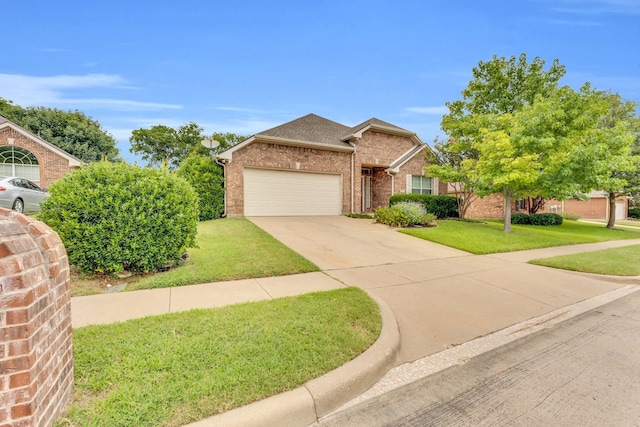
(595, 207)
(28, 156)
(315, 166)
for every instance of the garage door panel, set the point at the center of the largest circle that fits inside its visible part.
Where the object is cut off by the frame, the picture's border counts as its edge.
(291, 193)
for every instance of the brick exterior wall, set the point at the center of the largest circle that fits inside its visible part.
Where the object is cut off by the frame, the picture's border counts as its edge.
(374, 150)
(52, 165)
(594, 208)
(490, 207)
(282, 157)
(36, 360)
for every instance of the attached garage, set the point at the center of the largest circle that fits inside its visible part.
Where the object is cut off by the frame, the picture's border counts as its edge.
(291, 193)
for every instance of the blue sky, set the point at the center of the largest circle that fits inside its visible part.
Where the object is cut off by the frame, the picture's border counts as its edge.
(244, 66)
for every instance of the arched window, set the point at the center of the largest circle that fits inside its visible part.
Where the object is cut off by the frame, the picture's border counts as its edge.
(17, 161)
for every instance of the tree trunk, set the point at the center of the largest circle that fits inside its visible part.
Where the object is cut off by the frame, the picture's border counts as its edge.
(612, 211)
(507, 195)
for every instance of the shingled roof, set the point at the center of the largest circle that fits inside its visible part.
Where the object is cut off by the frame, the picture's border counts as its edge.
(312, 128)
(318, 132)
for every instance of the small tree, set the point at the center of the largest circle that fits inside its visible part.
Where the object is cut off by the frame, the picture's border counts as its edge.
(447, 164)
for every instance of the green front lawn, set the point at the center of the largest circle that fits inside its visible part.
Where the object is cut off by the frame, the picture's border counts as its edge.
(178, 368)
(228, 249)
(617, 261)
(487, 237)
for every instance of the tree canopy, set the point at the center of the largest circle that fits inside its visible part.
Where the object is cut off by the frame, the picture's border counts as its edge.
(624, 179)
(160, 144)
(72, 131)
(516, 132)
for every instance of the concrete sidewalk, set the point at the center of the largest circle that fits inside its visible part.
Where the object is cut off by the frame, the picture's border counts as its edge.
(430, 305)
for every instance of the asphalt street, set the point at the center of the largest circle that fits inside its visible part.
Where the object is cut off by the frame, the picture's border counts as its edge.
(582, 372)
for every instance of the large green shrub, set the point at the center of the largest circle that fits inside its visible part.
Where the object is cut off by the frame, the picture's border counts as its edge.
(404, 214)
(206, 177)
(634, 213)
(440, 206)
(520, 218)
(545, 219)
(115, 216)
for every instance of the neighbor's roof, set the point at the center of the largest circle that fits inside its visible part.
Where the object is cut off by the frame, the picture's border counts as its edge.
(73, 161)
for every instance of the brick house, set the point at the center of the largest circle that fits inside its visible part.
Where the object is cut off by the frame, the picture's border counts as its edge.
(315, 166)
(28, 156)
(595, 207)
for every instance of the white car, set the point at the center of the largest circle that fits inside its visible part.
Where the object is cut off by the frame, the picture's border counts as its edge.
(20, 194)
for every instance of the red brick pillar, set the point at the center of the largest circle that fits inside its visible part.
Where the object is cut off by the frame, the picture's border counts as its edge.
(36, 360)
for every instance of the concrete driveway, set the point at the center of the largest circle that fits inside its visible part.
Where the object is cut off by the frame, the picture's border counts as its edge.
(441, 297)
(334, 242)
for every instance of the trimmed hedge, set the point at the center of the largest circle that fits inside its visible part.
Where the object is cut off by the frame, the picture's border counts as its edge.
(115, 216)
(536, 219)
(440, 206)
(520, 218)
(634, 213)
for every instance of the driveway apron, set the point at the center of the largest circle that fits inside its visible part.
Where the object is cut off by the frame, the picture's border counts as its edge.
(440, 296)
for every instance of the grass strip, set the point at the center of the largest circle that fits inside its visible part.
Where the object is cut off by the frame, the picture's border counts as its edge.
(229, 249)
(616, 261)
(487, 237)
(178, 368)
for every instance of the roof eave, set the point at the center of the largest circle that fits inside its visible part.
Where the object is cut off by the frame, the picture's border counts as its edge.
(227, 155)
(384, 129)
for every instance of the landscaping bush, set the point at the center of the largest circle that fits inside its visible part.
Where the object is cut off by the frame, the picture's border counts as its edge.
(634, 213)
(545, 219)
(440, 206)
(404, 214)
(206, 177)
(570, 216)
(114, 216)
(520, 218)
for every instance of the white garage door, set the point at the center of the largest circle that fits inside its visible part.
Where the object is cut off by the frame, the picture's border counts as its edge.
(286, 193)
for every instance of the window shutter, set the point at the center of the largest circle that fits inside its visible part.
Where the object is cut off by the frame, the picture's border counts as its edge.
(434, 186)
(408, 186)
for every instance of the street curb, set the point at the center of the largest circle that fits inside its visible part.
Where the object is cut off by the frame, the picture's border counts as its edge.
(318, 397)
(410, 372)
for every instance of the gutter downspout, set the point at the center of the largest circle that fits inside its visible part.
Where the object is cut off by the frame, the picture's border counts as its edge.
(393, 181)
(224, 183)
(353, 167)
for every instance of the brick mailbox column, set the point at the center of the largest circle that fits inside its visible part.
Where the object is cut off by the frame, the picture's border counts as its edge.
(36, 360)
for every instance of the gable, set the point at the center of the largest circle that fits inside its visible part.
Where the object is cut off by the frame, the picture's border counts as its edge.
(7, 126)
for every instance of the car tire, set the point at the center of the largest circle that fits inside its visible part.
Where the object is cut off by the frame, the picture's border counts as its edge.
(18, 205)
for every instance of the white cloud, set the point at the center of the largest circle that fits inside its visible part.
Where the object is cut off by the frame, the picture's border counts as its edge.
(50, 91)
(597, 7)
(429, 110)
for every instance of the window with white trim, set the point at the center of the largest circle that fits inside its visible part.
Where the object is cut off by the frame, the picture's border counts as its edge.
(18, 161)
(421, 185)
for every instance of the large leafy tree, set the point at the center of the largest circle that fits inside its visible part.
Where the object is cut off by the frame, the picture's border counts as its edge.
(163, 144)
(554, 147)
(72, 131)
(500, 86)
(624, 179)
